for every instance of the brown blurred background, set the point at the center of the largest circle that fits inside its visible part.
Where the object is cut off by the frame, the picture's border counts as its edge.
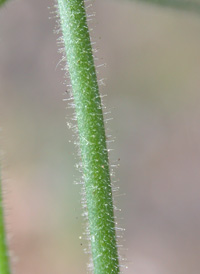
(153, 83)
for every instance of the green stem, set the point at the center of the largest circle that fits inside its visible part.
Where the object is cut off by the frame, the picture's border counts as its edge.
(4, 258)
(92, 138)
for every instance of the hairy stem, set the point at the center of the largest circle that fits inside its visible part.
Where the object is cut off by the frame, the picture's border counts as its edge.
(92, 137)
(4, 258)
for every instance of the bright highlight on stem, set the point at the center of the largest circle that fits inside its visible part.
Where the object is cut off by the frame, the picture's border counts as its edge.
(4, 258)
(91, 135)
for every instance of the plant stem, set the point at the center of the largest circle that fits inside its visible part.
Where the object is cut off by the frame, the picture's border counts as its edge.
(92, 137)
(4, 258)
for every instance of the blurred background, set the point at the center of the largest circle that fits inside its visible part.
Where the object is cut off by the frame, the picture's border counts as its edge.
(152, 84)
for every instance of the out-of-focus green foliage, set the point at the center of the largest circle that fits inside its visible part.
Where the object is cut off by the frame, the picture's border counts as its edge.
(4, 258)
(182, 4)
(2, 2)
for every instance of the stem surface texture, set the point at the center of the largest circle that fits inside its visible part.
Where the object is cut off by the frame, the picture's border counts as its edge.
(91, 135)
